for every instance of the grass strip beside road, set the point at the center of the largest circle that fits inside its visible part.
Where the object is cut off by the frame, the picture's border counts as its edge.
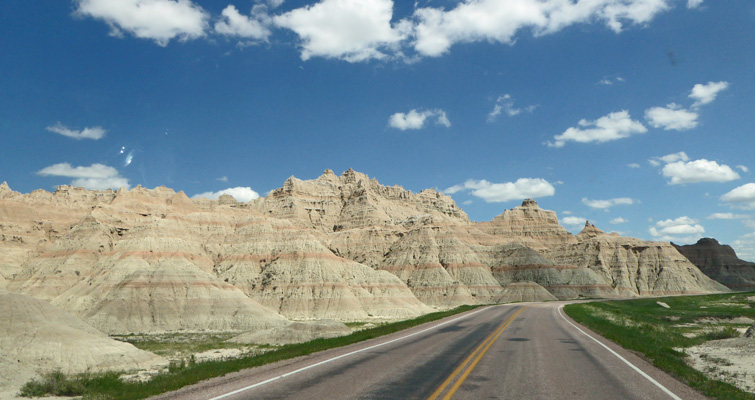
(110, 386)
(657, 332)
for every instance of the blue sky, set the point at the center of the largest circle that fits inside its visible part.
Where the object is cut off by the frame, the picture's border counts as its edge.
(634, 114)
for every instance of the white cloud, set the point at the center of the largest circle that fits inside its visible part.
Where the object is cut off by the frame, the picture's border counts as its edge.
(567, 212)
(673, 116)
(742, 196)
(727, 216)
(416, 119)
(95, 176)
(499, 21)
(94, 133)
(505, 104)
(235, 24)
(618, 220)
(158, 20)
(605, 204)
(350, 30)
(682, 229)
(698, 171)
(523, 188)
(275, 3)
(467, 202)
(669, 158)
(706, 93)
(222, 179)
(573, 221)
(633, 165)
(242, 194)
(609, 82)
(614, 126)
(745, 247)
(743, 168)
(694, 3)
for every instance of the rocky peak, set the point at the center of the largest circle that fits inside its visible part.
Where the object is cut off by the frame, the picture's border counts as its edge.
(530, 225)
(226, 199)
(529, 203)
(5, 190)
(351, 176)
(589, 231)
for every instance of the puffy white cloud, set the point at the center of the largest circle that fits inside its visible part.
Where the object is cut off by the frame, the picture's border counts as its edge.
(727, 216)
(436, 29)
(669, 158)
(673, 116)
(706, 93)
(242, 194)
(523, 188)
(350, 30)
(618, 220)
(742, 196)
(605, 204)
(275, 3)
(95, 176)
(694, 3)
(698, 171)
(743, 168)
(158, 20)
(683, 229)
(573, 221)
(94, 133)
(505, 104)
(614, 126)
(416, 119)
(253, 27)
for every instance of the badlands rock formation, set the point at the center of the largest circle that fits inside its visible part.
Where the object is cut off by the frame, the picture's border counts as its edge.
(295, 332)
(720, 262)
(337, 247)
(35, 335)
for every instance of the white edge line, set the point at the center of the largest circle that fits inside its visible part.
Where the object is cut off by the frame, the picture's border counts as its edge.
(639, 371)
(344, 355)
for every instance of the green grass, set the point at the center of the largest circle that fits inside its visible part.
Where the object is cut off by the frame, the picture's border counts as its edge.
(646, 327)
(180, 344)
(110, 386)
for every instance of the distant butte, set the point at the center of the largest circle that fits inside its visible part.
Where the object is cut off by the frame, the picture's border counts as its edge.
(720, 262)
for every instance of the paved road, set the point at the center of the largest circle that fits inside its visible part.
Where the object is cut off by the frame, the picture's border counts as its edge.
(522, 351)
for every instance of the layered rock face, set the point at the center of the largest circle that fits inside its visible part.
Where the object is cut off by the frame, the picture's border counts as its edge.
(38, 336)
(720, 262)
(615, 266)
(530, 225)
(337, 247)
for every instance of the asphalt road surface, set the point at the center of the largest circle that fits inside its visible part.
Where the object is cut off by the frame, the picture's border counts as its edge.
(520, 351)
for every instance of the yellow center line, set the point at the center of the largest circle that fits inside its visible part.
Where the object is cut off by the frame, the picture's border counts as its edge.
(478, 352)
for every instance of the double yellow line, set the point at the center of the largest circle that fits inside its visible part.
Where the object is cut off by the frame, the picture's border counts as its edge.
(475, 357)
